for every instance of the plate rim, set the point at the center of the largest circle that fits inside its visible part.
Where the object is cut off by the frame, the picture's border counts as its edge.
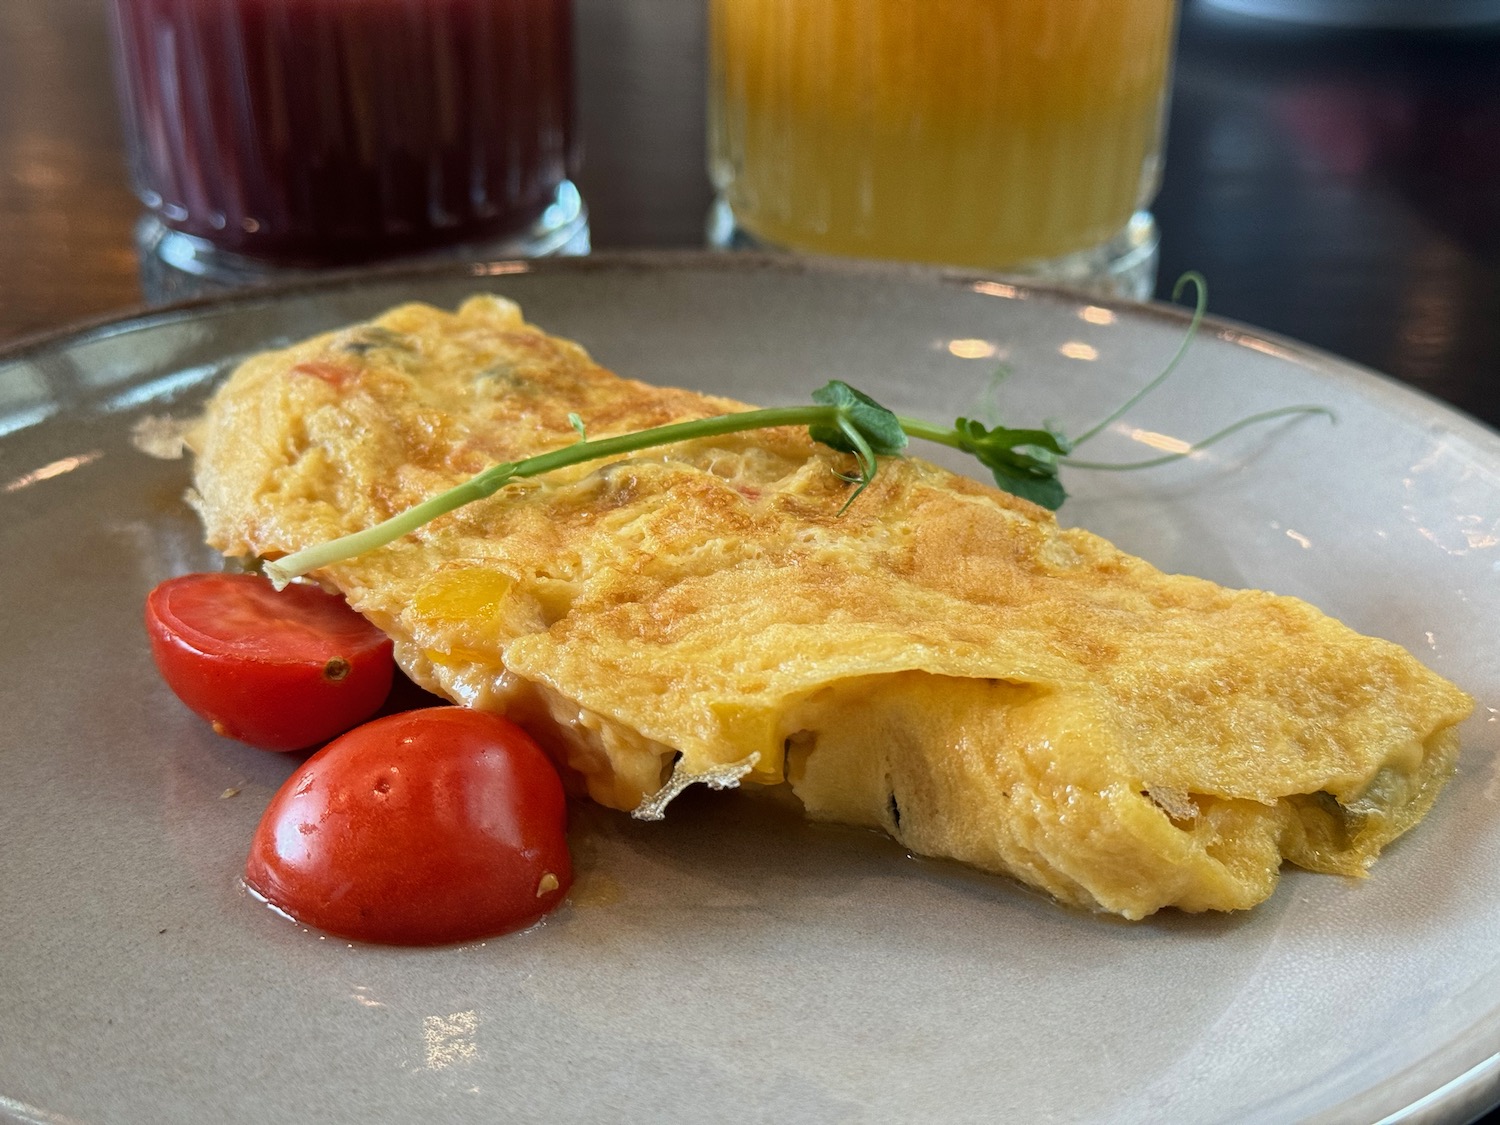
(1395, 392)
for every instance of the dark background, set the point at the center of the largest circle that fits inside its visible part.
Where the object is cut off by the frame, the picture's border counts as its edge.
(1341, 188)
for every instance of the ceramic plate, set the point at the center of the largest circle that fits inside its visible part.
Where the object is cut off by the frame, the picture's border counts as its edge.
(732, 963)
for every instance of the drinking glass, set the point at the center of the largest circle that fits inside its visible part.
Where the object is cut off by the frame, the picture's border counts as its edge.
(271, 137)
(1022, 136)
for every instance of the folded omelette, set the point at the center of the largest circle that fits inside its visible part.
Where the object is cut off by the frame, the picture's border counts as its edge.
(940, 661)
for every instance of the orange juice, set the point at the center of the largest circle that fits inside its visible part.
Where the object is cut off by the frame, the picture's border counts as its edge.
(989, 133)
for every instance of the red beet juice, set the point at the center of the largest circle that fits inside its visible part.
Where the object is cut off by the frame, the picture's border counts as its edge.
(329, 131)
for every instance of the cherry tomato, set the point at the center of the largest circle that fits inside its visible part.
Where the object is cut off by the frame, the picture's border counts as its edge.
(277, 669)
(423, 828)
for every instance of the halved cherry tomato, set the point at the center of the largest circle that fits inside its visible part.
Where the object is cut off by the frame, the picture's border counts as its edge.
(423, 828)
(282, 670)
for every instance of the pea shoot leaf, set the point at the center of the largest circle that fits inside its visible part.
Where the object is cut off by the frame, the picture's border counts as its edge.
(1024, 462)
(1035, 482)
(879, 427)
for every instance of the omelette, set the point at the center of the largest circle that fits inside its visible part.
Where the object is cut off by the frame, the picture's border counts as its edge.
(939, 660)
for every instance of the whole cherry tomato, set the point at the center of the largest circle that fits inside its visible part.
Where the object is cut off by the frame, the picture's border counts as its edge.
(281, 670)
(423, 828)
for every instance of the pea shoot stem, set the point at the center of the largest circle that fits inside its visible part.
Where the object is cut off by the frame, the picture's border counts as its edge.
(931, 431)
(283, 570)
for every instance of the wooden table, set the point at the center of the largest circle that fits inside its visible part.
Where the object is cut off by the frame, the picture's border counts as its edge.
(1342, 189)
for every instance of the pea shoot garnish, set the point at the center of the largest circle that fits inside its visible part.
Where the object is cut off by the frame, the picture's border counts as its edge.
(1024, 461)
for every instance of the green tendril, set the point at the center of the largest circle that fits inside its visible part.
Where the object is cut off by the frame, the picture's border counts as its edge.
(1200, 307)
(1198, 446)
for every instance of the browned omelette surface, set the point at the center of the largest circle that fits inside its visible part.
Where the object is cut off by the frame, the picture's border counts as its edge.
(941, 661)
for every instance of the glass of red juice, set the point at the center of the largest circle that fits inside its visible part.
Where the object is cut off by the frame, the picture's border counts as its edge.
(273, 137)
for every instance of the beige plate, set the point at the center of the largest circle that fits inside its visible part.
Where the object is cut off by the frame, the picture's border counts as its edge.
(733, 964)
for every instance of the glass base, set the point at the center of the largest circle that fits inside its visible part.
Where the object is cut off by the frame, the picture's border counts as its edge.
(176, 266)
(1389, 14)
(1125, 266)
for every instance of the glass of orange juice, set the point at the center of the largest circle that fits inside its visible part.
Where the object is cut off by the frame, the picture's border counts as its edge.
(1021, 136)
